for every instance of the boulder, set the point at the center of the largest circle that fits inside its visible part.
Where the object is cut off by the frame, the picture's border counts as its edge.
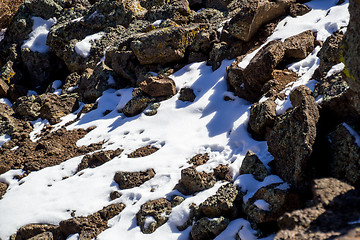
(293, 136)
(193, 181)
(33, 230)
(98, 158)
(252, 165)
(127, 180)
(160, 86)
(252, 14)
(153, 214)
(143, 151)
(345, 154)
(262, 118)
(187, 95)
(300, 45)
(222, 203)
(270, 202)
(205, 228)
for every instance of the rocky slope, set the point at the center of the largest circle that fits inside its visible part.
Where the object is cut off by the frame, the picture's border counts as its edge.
(181, 119)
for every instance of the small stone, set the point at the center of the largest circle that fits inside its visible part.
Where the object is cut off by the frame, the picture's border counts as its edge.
(127, 180)
(187, 95)
(161, 86)
(143, 152)
(177, 200)
(199, 159)
(114, 195)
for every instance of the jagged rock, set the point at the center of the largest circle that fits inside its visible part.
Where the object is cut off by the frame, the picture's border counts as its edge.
(193, 181)
(262, 117)
(114, 195)
(164, 45)
(293, 135)
(279, 80)
(3, 188)
(33, 230)
(187, 95)
(128, 180)
(222, 203)
(137, 104)
(98, 158)
(329, 54)
(153, 214)
(252, 165)
(199, 159)
(345, 154)
(177, 10)
(177, 200)
(327, 216)
(71, 81)
(9, 124)
(143, 152)
(300, 45)
(160, 86)
(222, 172)
(252, 14)
(298, 9)
(270, 202)
(208, 229)
(91, 226)
(43, 8)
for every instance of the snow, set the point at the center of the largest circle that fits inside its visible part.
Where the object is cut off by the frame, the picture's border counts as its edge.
(4, 139)
(37, 38)
(335, 69)
(353, 133)
(262, 204)
(2, 34)
(180, 129)
(83, 47)
(157, 23)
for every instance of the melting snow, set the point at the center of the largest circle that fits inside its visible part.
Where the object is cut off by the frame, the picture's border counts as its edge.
(262, 204)
(84, 46)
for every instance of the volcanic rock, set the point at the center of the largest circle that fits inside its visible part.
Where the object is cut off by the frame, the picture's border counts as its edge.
(208, 229)
(252, 165)
(128, 180)
(193, 181)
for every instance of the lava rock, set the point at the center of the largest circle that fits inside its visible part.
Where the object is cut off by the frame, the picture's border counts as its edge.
(300, 45)
(127, 180)
(208, 229)
(252, 165)
(187, 95)
(33, 230)
(98, 158)
(262, 118)
(193, 181)
(199, 159)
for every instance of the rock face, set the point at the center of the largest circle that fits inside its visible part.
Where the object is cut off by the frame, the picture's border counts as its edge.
(128, 180)
(208, 229)
(345, 154)
(153, 214)
(193, 181)
(252, 165)
(222, 203)
(270, 202)
(252, 14)
(160, 86)
(91, 226)
(293, 135)
(327, 217)
(98, 158)
(10, 125)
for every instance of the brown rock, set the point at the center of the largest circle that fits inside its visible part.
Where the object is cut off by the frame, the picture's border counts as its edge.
(98, 159)
(43, 236)
(143, 151)
(158, 210)
(187, 95)
(193, 181)
(293, 135)
(114, 195)
(262, 118)
(3, 88)
(252, 165)
(279, 80)
(161, 86)
(3, 188)
(199, 159)
(128, 180)
(300, 45)
(36, 231)
(222, 172)
(298, 9)
(137, 104)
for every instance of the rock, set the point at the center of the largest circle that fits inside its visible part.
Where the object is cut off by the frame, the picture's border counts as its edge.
(262, 118)
(193, 181)
(152, 109)
(47, 106)
(9, 124)
(199, 159)
(177, 200)
(153, 214)
(252, 14)
(137, 104)
(298, 9)
(176, 10)
(115, 195)
(127, 180)
(97, 159)
(43, 236)
(208, 229)
(32, 231)
(187, 95)
(222, 172)
(71, 81)
(91, 226)
(143, 151)
(16, 91)
(252, 165)
(270, 202)
(7, 75)
(345, 154)
(3, 188)
(300, 45)
(43, 8)
(3, 88)
(279, 80)
(293, 135)
(160, 86)
(164, 45)
(222, 203)
(194, 214)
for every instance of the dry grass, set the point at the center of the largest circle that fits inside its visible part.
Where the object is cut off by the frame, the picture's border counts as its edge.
(7, 10)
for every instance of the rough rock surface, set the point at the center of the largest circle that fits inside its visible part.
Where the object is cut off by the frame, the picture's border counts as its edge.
(137, 104)
(277, 199)
(327, 217)
(158, 210)
(128, 180)
(10, 125)
(199, 159)
(277, 83)
(262, 118)
(98, 158)
(160, 86)
(222, 203)
(208, 229)
(293, 135)
(34, 230)
(3, 188)
(143, 151)
(223, 172)
(299, 46)
(345, 155)
(252, 165)
(193, 181)
(91, 226)
(187, 95)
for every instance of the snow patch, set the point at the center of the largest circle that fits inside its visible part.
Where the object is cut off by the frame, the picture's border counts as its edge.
(262, 204)
(83, 47)
(335, 69)
(353, 133)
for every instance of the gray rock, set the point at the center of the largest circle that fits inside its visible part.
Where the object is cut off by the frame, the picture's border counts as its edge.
(252, 165)
(262, 117)
(158, 209)
(205, 228)
(127, 180)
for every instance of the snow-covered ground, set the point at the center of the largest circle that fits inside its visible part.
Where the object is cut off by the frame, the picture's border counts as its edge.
(180, 129)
